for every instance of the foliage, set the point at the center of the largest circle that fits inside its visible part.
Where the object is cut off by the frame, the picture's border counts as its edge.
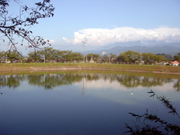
(34, 56)
(95, 57)
(2, 56)
(130, 56)
(12, 25)
(150, 57)
(148, 129)
(120, 58)
(105, 58)
(167, 56)
(77, 56)
(177, 57)
(13, 55)
(49, 53)
(112, 57)
(53, 54)
(160, 58)
(67, 55)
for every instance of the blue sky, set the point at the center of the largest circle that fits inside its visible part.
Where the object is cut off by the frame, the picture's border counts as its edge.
(103, 22)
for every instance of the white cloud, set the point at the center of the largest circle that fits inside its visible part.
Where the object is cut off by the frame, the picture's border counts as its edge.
(52, 41)
(102, 37)
(102, 84)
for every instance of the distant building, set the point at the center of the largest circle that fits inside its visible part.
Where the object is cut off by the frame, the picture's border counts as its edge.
(174, 63)
(91, 61)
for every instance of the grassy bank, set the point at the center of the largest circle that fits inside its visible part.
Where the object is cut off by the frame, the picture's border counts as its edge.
(87, 66)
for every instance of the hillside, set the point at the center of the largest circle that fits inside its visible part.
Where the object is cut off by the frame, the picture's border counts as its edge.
(171, 49)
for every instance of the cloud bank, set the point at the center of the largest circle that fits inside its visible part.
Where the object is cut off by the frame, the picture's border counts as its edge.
(101, 37)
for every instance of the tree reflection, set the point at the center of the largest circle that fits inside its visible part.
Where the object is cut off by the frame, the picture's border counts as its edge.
(90, 77)
(157, 126)
(149, 81)
(49, 81)
(135, 81)
(12, 81)
(177, 85)
(129, 81)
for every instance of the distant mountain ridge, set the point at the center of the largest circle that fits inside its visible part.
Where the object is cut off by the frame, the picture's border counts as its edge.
(117, 48)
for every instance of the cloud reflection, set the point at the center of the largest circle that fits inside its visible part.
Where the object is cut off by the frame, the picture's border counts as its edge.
(92, 81)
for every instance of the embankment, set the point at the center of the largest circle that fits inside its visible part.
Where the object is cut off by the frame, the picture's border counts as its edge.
(13, 67)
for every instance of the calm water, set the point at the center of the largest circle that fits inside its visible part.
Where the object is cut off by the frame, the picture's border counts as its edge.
(83, 104)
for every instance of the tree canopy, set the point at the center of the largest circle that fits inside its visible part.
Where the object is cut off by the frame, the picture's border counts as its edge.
(49, 54)
(177, 57)
(130, 56)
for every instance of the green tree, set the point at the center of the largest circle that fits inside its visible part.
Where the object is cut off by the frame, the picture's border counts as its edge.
(89, 55)
(2, 56)
(105, 58)
(35, 56)
(160, 58)
(177, 57)
(113, 57)
(167, 56)
(67, 55)
(13, 55)
(131, 56)
(60, 55)
(120, 58)
(148, 57)
(77, 56)
(95, 57)
(49, 53)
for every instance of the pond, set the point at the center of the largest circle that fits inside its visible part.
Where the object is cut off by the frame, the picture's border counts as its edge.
(81, 103)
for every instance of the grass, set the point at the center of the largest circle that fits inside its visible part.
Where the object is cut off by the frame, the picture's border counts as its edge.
(89, 66)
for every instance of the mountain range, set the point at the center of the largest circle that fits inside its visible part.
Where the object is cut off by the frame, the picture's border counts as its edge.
(117, 48)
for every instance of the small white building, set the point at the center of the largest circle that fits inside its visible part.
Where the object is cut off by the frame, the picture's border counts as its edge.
(175, 63)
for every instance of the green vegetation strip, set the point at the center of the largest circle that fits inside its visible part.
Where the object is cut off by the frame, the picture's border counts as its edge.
(88, 66)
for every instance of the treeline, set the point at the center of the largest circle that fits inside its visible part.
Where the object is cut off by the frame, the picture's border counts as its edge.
(48, 54)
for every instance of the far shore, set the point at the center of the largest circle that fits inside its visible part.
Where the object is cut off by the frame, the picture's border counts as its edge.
(13, 67)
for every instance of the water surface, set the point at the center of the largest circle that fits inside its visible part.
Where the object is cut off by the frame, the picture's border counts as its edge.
(80, 103)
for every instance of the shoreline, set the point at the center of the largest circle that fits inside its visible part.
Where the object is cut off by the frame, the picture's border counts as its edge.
(13, 68)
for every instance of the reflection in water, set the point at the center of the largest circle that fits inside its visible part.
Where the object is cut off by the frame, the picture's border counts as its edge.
(12, 81)
(156, 125)
(49, 81)
(177, 85)
(78, 103)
